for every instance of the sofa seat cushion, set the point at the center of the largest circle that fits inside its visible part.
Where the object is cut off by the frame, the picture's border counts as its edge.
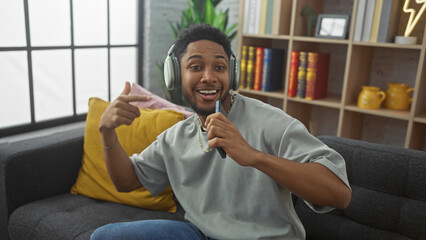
(69, 216)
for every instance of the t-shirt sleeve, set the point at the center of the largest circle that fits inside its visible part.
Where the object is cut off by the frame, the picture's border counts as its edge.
(297, 144)
(150, 168)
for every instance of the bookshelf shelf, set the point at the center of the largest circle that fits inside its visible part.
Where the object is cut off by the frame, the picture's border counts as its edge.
(320, 40)
(266, 36)
(383, 112)
(276, 94)
(353, 64)
(421, 118)
(332, 101)
(388, 45)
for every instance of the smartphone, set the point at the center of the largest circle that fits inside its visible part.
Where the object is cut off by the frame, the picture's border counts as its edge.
(219, 149)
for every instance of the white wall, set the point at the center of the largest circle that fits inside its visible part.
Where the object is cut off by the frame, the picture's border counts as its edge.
(158, 36)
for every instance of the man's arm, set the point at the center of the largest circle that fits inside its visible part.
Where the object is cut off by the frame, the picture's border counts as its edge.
(119, 166)
(312, 182)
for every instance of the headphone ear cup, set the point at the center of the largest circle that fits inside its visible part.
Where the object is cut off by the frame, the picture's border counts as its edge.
(236, 80)
(231, 72)
(171, 73)
(234, 73)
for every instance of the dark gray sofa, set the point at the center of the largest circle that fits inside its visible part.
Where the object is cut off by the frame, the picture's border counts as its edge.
(36, 175)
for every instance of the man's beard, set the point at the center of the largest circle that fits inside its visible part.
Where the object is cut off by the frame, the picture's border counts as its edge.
(202, 112)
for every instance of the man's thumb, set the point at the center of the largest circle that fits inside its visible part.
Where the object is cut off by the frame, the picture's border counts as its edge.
(127, 88)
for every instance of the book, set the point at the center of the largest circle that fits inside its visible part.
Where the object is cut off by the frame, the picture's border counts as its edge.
(359, 20)
(257, 84)
(368, 20)
(246, 16)
(250, 67)
(294, 68)
(301, 74)
(262, 16)
(389, 19)
(376, 20)
(317, 75)
(252, 16)
(243, 66)
(258, 6)
(266, 70)
(273, 69)
(269, 14)
(278, 17)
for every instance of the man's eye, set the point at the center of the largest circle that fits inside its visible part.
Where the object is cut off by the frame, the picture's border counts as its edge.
(195, 67)
(220, 67)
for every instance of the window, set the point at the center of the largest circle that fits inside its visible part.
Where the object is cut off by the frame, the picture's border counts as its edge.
(56, 54)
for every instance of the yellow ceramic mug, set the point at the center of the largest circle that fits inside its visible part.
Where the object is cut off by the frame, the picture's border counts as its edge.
(370, 97)
(398, 96)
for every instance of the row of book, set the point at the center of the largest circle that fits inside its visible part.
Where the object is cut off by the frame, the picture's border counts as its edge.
(376, 20)
(262, 16)
(308, 76)
(262, 68)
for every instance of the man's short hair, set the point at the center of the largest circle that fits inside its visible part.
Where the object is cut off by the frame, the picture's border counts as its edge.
(197, 32)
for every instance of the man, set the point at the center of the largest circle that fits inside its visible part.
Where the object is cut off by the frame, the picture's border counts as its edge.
(246, 195)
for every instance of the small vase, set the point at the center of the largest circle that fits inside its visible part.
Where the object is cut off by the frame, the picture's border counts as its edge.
(370, 97)
(398, 96)
(405, 40)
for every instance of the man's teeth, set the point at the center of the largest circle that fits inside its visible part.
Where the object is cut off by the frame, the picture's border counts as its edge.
(208, 91)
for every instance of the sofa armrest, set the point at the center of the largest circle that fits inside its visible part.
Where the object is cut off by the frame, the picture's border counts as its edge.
(38, 168)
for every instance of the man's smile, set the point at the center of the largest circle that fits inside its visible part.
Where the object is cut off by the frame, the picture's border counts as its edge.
(208, 94)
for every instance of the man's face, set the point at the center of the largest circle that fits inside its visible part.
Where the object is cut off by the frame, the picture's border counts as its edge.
(205, 75)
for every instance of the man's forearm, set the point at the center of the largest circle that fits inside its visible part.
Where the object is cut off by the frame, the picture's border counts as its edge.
(119, 166)
(310, 181)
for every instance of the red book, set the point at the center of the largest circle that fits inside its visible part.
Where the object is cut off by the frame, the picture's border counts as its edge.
(257, 85)
(317, 75)
(292, 79)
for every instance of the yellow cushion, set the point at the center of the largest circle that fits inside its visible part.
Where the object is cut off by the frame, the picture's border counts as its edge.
(93, 179)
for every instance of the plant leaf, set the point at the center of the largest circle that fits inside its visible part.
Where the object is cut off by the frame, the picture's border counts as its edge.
(193, 12)
(232, 36)
(231, 28)
(226, 13)
(173, 29)
(216, 2)
(200, 7)
(210, 12)
(219, 21)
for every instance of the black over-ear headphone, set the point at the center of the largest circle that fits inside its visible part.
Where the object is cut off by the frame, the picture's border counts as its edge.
(172, 76)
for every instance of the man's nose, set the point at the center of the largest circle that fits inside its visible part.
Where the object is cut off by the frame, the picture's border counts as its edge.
(209, 75)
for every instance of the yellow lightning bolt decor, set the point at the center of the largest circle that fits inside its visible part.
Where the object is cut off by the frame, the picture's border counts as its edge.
(412, 21)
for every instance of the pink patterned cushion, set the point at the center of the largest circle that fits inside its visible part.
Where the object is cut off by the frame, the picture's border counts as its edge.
(156, 101)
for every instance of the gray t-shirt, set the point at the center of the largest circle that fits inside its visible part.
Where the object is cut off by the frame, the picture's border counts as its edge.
(223, 199)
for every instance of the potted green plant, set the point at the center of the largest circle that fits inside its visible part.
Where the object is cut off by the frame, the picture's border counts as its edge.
(198, 11)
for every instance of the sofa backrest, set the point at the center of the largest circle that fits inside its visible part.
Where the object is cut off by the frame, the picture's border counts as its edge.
(388, 194)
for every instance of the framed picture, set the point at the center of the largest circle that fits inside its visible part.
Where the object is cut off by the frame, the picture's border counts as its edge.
(332, 26)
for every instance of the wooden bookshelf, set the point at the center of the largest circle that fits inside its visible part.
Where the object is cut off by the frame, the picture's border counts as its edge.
(353, 65)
